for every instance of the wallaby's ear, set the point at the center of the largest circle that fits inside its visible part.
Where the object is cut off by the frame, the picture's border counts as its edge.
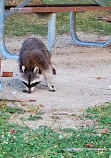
(36, 70)
(23, 69)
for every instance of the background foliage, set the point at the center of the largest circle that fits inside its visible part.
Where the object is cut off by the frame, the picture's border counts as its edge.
(26, 24)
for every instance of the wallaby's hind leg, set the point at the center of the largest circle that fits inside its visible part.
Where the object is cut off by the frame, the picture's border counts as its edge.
(47, 77)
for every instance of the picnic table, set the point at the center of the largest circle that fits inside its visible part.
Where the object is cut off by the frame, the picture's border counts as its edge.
(52, 9)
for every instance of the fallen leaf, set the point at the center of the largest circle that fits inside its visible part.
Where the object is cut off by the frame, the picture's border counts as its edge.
(89, 145)
(98, 78)
(103, 132)
(13, 131)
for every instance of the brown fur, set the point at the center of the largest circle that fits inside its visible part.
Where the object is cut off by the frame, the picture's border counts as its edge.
(34, 54)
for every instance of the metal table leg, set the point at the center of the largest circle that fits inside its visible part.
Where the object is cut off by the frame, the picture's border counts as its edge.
(74, 35)
(51, 32)
(3, 49)
(19, 6)
(98, 2)
(101, 4)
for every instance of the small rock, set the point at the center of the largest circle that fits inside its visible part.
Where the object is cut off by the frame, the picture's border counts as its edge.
(109, 88)
(13, 93)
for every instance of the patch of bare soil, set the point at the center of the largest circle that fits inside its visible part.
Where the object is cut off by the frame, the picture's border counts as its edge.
(83, 76)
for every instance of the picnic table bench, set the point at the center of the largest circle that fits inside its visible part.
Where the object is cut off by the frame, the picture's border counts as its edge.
(52, 9)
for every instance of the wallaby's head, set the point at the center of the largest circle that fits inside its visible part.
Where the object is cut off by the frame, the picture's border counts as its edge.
(31, 77)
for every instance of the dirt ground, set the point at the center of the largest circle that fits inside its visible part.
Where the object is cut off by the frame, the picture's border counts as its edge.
(82, 80)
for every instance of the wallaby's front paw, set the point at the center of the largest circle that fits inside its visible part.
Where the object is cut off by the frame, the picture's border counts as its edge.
(52, 89)
(24, 90)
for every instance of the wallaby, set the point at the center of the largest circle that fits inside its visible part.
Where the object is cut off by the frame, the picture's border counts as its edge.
(35, 64)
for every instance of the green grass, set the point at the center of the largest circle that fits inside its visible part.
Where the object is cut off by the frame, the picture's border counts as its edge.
(26, 24)
(102, 114)
(21, 141)
(106, 2)
(66, 1)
